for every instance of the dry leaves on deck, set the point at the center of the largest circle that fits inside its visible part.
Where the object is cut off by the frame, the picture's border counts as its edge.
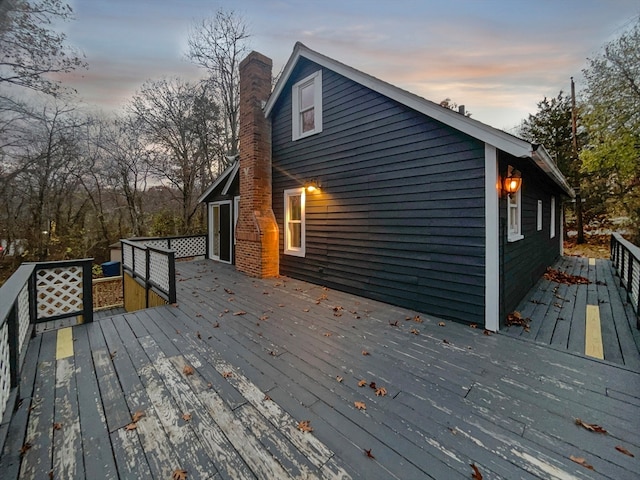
(621, 449)
(381, 392)
(515, 318)
(305, 426)
(563, 277)
(186, 417)
(476, 475)
(135, 418)
(188, 370)
(360, 405)
(592, 427)
(179, 474)
(581, 461)
(368, 453)
(362, 383)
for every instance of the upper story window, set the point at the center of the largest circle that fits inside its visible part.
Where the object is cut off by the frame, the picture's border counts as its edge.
(294, 228)
(514, 206)
(307, 106)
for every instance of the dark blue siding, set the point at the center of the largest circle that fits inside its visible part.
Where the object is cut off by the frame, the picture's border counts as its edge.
(523, 262)
(400, 216)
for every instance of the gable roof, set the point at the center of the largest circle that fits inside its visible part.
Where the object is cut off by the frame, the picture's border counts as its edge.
(501, 140)
(226, 178)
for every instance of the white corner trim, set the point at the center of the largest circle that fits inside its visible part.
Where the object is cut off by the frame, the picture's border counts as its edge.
(492, 240)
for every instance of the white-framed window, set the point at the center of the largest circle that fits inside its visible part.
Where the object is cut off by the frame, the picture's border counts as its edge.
(539, 217)
(307, 106)
(294, 222)
(552, 226)
(514, 216)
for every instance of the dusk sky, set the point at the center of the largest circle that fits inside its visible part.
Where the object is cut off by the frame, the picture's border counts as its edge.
(498, 57)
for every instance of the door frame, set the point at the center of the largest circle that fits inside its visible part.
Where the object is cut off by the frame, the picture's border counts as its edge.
(210, 208)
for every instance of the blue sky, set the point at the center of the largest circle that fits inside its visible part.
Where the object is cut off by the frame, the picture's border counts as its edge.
(498, 57)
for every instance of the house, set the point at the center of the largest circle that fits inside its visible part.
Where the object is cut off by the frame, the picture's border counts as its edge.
(347, 181)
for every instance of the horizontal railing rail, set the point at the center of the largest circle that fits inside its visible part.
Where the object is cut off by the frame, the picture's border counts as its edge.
(625, 257)
(185, 246)
(36, 292)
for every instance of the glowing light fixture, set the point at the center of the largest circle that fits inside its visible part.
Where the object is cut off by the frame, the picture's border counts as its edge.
(512, 181)
(312, 185)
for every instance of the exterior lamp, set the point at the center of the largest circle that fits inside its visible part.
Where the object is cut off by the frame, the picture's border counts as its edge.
(312, 185)
(513, 181)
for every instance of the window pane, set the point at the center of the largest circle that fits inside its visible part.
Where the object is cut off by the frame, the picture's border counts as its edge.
(308, 121)
(295, 237)
(295, 210)
(306, 96)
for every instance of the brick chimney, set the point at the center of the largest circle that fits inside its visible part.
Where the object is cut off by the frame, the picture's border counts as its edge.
(257, 231)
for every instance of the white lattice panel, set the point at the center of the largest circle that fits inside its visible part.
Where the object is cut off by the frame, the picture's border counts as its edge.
(58, 291)
(140, 260)
(634, 291)
(23, 314)
(157, 242)
(5, 369)
(159, 270)
(189, 246)
(127, 255)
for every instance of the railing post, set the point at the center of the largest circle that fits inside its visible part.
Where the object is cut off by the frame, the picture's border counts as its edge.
(33, 300)
(147, 285)
(14, 348)
(87, 292)
(172, 277)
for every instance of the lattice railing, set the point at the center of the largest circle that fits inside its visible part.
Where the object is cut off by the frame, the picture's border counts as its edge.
(626, 260)
(184, 247)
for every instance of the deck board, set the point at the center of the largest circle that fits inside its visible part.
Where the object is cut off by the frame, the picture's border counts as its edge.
(455, 396)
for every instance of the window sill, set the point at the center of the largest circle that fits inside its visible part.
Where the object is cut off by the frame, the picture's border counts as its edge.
(514, 238)
(294, 253)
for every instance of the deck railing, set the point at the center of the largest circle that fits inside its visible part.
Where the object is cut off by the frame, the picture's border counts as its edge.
(37, 292)
(150, 263)
(625, 257)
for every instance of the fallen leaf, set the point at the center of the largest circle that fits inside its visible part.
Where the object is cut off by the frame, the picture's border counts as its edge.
(414, 331)
(264, 318)
(273, 354)
(487, 332)
(113, 354)
(216, 325)
(381, 392)
(57, 426)
(305, 310)
(621, 449)
(441, 324)
(131, 426)
(339, 379)
(368, 453)
(365, 353)
(227, 374)
(188, 370)
(394, 324)
(137, 416)
(179, 474)
(266, 398)
(209, 385)
(198, 335)
(281, 304)
(476, 475)
(562, 277)
(590, 426)
(360, 405)
(230, 292)
(25, 448)
(362, 383)
(327, 334)
(373, 385)
(198, 314)
(240, 312)
(305, 426)
(581, 461)
(226, 310)
(417, 319)
(186, 417)
(474, 325)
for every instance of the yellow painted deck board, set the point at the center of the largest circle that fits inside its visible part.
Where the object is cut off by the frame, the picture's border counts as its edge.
(64, 344)
(593, 333)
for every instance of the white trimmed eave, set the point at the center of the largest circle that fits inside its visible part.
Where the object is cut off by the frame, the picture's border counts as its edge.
(219, 180)
(501, 140)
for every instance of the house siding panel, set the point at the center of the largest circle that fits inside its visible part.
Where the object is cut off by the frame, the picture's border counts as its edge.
(523, 262)
(400, 216)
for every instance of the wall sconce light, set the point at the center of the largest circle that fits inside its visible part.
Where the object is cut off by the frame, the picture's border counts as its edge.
(312, 185)
(512, 181)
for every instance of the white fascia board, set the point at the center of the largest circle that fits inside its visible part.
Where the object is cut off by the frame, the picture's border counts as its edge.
(218, 181)
(232, 176)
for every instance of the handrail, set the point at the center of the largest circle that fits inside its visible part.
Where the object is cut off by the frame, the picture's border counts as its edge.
(152, 267)
(11, 289)
(625, 257)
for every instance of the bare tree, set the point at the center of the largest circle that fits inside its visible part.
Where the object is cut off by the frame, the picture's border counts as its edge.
(180, 124)
(219, 44)
(29, 47)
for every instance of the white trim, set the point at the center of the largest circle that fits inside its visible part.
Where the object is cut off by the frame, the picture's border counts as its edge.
(231, 169)
(298, 252)
(232, 176)
(501, 140)
(539, 217)
(236, 215)
(492, 240)
(552, 218)
(515, 236)
(296, 124)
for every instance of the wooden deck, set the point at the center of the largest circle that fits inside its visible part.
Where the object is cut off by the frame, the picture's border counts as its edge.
(592, 319)
(265, 355)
